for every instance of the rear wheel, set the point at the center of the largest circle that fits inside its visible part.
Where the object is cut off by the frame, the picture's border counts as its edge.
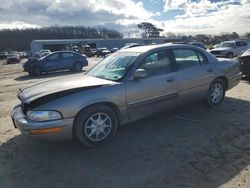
(95, 125)
(36, 71)
(216, 93)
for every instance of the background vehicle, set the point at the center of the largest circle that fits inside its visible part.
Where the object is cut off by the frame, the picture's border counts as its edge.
(23, 54)
(199, 44)
(114, 50)
(230, 49)
(244, 60)
(44, 51)
(38, 55)
(13, 56)
(86, 50)
(130, 45)
(102, 52)
(55, 61)
(123, 87)
(93, 51)
(3, 55)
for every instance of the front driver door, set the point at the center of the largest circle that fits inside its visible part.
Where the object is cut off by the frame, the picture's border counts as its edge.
(52, 62)
(157, 91)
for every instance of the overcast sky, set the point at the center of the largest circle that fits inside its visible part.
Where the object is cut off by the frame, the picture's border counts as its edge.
(177, 16)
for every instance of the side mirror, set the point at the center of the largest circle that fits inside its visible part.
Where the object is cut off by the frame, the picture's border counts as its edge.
(140, 73)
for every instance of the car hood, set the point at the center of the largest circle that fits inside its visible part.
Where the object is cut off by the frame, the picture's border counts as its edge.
(61, 87)
(221, 49)
(246, 53)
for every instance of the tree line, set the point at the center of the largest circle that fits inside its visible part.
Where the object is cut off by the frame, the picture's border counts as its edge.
(20, 39)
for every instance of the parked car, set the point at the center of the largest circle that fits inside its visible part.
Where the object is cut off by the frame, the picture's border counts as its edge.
(125, 86)
(44, 51)
(55, 61)
(93, 51)
(199, 44)
(3, 55)
(112, 50)
(214, 46)
(130, 45)
(38, 55)
(194, 43)
(102, 52)
(230, 49)
(244, 60)
(23, 54)
(13, 56)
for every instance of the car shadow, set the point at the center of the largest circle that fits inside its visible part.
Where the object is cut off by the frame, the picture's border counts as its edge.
(195, 146)
(48, 75)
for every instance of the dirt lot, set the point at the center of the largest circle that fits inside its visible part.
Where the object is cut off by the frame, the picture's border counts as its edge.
(211, 148)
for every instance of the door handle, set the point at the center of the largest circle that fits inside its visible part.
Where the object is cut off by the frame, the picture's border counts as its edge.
(170, 79)
(210, 70)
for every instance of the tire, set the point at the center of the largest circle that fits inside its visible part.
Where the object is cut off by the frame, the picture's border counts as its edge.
(91, 133)
(216, 93)
(230, 56)
(77, 67)
(36, 71)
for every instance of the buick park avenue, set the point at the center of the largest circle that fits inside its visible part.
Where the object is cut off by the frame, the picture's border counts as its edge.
(125, 86)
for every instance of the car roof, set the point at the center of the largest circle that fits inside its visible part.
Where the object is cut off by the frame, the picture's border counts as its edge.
(63, 52)
(142, 49)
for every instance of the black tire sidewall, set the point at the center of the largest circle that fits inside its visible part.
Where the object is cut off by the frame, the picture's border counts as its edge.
(209, 101)
(80, 122)
(36, 71)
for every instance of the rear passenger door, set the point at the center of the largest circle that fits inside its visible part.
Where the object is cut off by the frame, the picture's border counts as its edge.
(194, 74)
(67, 60)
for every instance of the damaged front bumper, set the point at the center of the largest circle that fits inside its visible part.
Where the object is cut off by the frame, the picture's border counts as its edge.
(49, 130)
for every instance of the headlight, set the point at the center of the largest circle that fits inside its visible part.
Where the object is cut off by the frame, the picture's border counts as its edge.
(43, 115)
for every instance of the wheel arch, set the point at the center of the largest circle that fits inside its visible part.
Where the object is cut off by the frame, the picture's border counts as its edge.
(224, 79)
(106, 103)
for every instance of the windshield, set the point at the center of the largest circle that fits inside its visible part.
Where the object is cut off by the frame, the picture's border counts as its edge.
(227, 44)
(114, 66)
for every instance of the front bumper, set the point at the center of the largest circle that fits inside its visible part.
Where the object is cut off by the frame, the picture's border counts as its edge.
(13, 60)
(234, 80)
(26, 126)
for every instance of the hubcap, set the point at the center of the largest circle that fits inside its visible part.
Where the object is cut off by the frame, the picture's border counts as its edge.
(98, 127)
(216, 93)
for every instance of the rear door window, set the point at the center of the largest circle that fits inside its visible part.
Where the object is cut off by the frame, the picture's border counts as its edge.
(202, 58)
(186, 58)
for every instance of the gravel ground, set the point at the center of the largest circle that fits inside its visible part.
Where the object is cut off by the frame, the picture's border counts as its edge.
(194, 146)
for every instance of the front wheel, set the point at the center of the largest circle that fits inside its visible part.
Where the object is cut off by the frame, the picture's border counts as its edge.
(95, 125)
(216, 92)
(77, 67)
(36, 71)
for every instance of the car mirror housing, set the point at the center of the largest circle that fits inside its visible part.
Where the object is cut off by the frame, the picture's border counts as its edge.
(140, 73)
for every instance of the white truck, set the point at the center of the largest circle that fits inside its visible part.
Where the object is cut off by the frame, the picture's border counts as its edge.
(230, 49)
